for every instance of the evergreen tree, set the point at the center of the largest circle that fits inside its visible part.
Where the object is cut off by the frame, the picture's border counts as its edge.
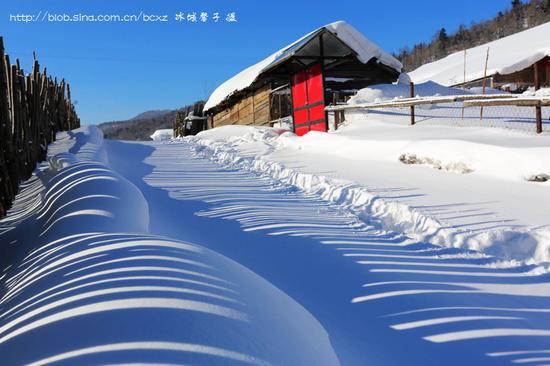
(442, 36)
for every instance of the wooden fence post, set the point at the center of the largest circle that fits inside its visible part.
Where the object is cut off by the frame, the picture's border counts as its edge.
(538, 111)
(411, 94)
(484, 82)
(336, 113)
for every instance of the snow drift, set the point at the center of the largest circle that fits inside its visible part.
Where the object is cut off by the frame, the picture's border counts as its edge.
(383, 92)
(84, 282)
(162, 135)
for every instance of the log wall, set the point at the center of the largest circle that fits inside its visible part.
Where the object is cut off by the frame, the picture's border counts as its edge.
(33, 108)
(253, 109)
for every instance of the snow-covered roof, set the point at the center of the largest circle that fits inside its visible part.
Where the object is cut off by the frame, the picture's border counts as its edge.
(506, 55)
(365, 49)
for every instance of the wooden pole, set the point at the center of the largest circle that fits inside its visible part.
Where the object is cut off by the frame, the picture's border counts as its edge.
(336, 113)
(411, 94)
(280, 104)
(538, 111)
(484, 82)
(464, 83)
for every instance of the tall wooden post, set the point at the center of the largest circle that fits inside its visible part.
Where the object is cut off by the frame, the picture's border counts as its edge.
(336, 113)
(538, 111)
(463, 84)
(411, 94)
(484, 84)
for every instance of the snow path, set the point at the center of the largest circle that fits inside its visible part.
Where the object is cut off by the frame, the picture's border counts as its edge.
(371, 289)
(83, 281)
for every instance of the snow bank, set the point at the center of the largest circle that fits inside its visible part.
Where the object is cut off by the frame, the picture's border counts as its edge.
(162, 135)
(506, 55)
(383, 92)
(248, 133)
(83, 194)
(76, 254)
(365, 49)
(480, 153)
(542, 93)
(487, 152)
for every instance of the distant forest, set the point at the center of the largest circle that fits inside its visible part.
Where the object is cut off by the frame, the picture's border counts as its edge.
(520, 16)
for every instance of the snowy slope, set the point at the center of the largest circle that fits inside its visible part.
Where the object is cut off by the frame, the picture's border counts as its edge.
(84, 282)
(506, 55)
(366, 50)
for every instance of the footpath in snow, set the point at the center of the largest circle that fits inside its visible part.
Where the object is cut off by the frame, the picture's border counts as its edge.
(85, 281)
(234, 247)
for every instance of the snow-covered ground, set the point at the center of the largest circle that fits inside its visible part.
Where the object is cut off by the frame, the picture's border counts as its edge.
(477, 188)
(248, 245)
(468, 191)
(84, 281)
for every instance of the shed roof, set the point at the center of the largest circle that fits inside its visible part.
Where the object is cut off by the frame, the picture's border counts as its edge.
(506, 56)
(364, 49)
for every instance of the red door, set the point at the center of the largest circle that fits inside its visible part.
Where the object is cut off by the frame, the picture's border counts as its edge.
(308, 101)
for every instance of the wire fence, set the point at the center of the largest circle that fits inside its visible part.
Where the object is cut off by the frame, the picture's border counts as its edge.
(455, 114)
(506, 112)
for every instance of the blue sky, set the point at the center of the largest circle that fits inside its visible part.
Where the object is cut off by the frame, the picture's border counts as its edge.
(120, 69)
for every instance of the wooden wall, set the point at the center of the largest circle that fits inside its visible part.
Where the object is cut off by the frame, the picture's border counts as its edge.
(526, 76)
(253, 109)
(522, 78)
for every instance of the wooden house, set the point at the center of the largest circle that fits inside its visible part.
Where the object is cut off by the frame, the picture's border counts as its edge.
(298, 81)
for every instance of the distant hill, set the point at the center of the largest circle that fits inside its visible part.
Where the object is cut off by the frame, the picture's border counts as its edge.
(152, 114)
(143, 125)
(137, 128)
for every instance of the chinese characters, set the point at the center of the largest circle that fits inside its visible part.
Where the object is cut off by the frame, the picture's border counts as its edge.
(205, 17)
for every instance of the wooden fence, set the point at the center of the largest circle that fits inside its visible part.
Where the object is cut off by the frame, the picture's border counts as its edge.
(468, 100)
(33, 108)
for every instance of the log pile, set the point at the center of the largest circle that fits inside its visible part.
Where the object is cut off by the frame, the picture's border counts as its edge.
(33, 108)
